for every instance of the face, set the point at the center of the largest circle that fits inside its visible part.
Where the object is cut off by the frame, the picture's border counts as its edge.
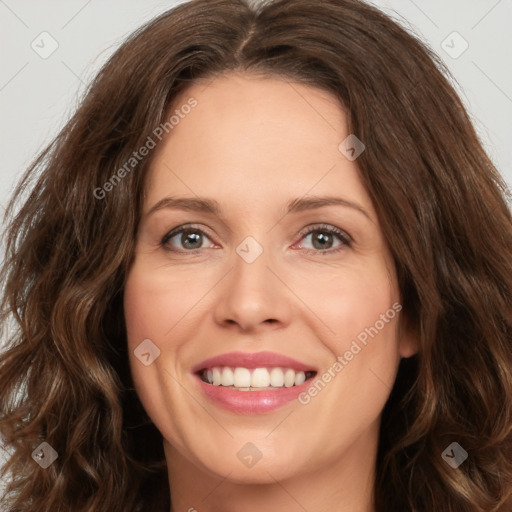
(260, 247)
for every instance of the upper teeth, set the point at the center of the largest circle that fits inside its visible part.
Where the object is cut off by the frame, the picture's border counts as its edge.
(240, 377)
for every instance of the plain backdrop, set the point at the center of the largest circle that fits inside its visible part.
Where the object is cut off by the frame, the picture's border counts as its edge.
(39, 92)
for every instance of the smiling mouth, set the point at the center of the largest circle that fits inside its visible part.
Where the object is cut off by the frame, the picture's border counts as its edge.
(254, 379)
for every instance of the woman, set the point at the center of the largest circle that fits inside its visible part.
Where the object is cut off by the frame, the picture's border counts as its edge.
(266, 265)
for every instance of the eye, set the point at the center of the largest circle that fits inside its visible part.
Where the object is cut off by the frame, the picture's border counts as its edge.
(190, 238)
(324, 237)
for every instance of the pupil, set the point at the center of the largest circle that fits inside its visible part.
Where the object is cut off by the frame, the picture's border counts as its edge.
(323, 238)
(191, 237)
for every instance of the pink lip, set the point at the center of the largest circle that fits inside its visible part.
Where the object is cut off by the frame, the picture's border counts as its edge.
(254, 360)
(251, 402)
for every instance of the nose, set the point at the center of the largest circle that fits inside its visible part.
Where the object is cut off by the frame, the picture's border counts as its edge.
(253, 296)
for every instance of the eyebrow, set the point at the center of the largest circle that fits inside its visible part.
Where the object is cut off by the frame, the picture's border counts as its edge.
(198, 204)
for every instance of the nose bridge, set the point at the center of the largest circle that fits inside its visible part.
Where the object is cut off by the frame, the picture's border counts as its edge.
(252, 294)
(250, 249)
(251, 273)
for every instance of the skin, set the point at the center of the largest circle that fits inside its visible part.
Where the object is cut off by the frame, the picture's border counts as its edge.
(253, 144)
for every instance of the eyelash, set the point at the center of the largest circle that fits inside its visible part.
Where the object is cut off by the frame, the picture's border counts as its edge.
(344, 238)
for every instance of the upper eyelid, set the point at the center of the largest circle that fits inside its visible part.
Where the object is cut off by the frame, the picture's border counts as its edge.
(178, 229)
(327, 227)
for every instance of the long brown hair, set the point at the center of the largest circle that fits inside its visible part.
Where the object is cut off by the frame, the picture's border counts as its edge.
(441, 203)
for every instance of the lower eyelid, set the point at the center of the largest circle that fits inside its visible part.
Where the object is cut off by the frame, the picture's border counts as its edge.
(343, 244)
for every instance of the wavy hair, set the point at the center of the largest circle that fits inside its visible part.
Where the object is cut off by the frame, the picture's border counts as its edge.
(442, 205)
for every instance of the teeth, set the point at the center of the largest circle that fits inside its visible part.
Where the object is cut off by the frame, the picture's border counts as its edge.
(217, 376)
(289, 378)
(260, 378)
(256, 379)
(227, 377)
(242, 378)
(300, 378)
(276, 378)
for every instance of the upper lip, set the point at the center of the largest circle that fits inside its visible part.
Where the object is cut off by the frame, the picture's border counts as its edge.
(252, 360)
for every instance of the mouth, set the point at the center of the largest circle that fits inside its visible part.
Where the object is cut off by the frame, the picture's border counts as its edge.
(254, 379)
(252, 383)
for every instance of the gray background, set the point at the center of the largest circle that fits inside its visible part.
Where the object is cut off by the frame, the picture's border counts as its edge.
(37, 95)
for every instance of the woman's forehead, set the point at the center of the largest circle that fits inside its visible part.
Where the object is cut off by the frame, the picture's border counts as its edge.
(251, 137)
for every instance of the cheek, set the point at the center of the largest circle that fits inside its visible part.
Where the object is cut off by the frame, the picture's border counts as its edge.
(151, 309)
(361, 310)
(152, 303)
(352, 301)
(142, 310)
(148, 315)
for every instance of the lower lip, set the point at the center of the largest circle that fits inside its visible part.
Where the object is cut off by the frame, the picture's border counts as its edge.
(251, 402)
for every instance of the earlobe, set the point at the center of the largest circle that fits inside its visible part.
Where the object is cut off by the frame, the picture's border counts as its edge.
(408, 350)
(408, 338)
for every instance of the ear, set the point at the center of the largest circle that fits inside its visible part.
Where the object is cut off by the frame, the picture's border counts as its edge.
(408, 337)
